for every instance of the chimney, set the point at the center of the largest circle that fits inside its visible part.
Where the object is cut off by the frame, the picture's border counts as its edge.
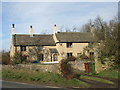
(55, 29)
(13, 29)
(31, 31)
(92, 30)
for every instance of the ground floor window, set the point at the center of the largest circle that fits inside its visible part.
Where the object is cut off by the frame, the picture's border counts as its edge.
(91, 53)
(55, 57)
(40, 57)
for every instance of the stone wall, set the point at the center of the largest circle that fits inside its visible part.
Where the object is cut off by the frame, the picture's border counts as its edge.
(79, 65)
(34, 67)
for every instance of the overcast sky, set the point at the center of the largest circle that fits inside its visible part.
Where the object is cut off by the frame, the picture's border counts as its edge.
(43, 15)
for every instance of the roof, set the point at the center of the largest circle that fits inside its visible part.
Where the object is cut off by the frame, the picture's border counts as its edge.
(37, 39)
(53, 50)
(75, 37)
(47, 40)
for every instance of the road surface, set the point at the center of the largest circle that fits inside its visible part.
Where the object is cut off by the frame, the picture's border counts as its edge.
(11, 84)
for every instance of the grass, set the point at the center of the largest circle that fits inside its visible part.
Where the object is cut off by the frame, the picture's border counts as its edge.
(96, 79)
(0, 74)
(111, 74)
(115, 74)
(42, 77)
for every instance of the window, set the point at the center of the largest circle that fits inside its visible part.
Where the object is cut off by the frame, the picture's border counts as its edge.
(69, 54)
(91, 55)
(55, 57)
(40, 57)
(22, 48)
(69, 45)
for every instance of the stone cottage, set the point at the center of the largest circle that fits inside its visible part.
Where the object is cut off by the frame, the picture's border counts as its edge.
(50, 47)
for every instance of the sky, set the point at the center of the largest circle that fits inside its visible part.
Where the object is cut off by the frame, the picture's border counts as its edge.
(43, 15)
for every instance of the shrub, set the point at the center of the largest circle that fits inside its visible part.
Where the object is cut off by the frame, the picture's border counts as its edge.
(5, 57)
(71, 58)
(84, 57)
(18, 58)
(66, 69)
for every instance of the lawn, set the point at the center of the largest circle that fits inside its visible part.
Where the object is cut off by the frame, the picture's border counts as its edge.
(40, 77)
(96, 79)
(115, 74)
(110, 73)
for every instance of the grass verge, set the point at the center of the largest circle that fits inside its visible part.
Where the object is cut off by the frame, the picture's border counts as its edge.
(97, 79)
(111, 74)
(41, 77)
(114, 74)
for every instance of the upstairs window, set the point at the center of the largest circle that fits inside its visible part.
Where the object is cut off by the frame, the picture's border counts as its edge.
(69, 54)
(91, 54)
(22, 48)
(69, 45)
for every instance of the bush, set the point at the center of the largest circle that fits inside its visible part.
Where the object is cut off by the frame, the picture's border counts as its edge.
(66, 69)
(5, 57)
(71, 58)
(18, 58)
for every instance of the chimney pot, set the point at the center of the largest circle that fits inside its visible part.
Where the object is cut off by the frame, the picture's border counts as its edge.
(13, 25)
(13, 29)
(30, 26)
(55, 25)
(31, 31)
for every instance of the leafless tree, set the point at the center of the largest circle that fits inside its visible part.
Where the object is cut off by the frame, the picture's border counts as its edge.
(35, 51)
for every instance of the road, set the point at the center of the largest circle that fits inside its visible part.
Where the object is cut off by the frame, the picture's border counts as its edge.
(11, 84)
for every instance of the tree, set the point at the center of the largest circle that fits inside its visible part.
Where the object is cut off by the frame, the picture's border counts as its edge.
(36, 51)
(87, 27)
(108, 35)
(66, 69)
(16, 59)
(5, 57)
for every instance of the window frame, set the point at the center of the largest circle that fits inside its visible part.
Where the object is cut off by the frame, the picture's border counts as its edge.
(55, 57)
(22, 48)
(68, 54)
(69, 44)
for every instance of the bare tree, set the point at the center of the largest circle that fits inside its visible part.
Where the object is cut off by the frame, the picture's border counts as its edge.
(67, 29)
(5, 57)
(87, 26)
(36, 51)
